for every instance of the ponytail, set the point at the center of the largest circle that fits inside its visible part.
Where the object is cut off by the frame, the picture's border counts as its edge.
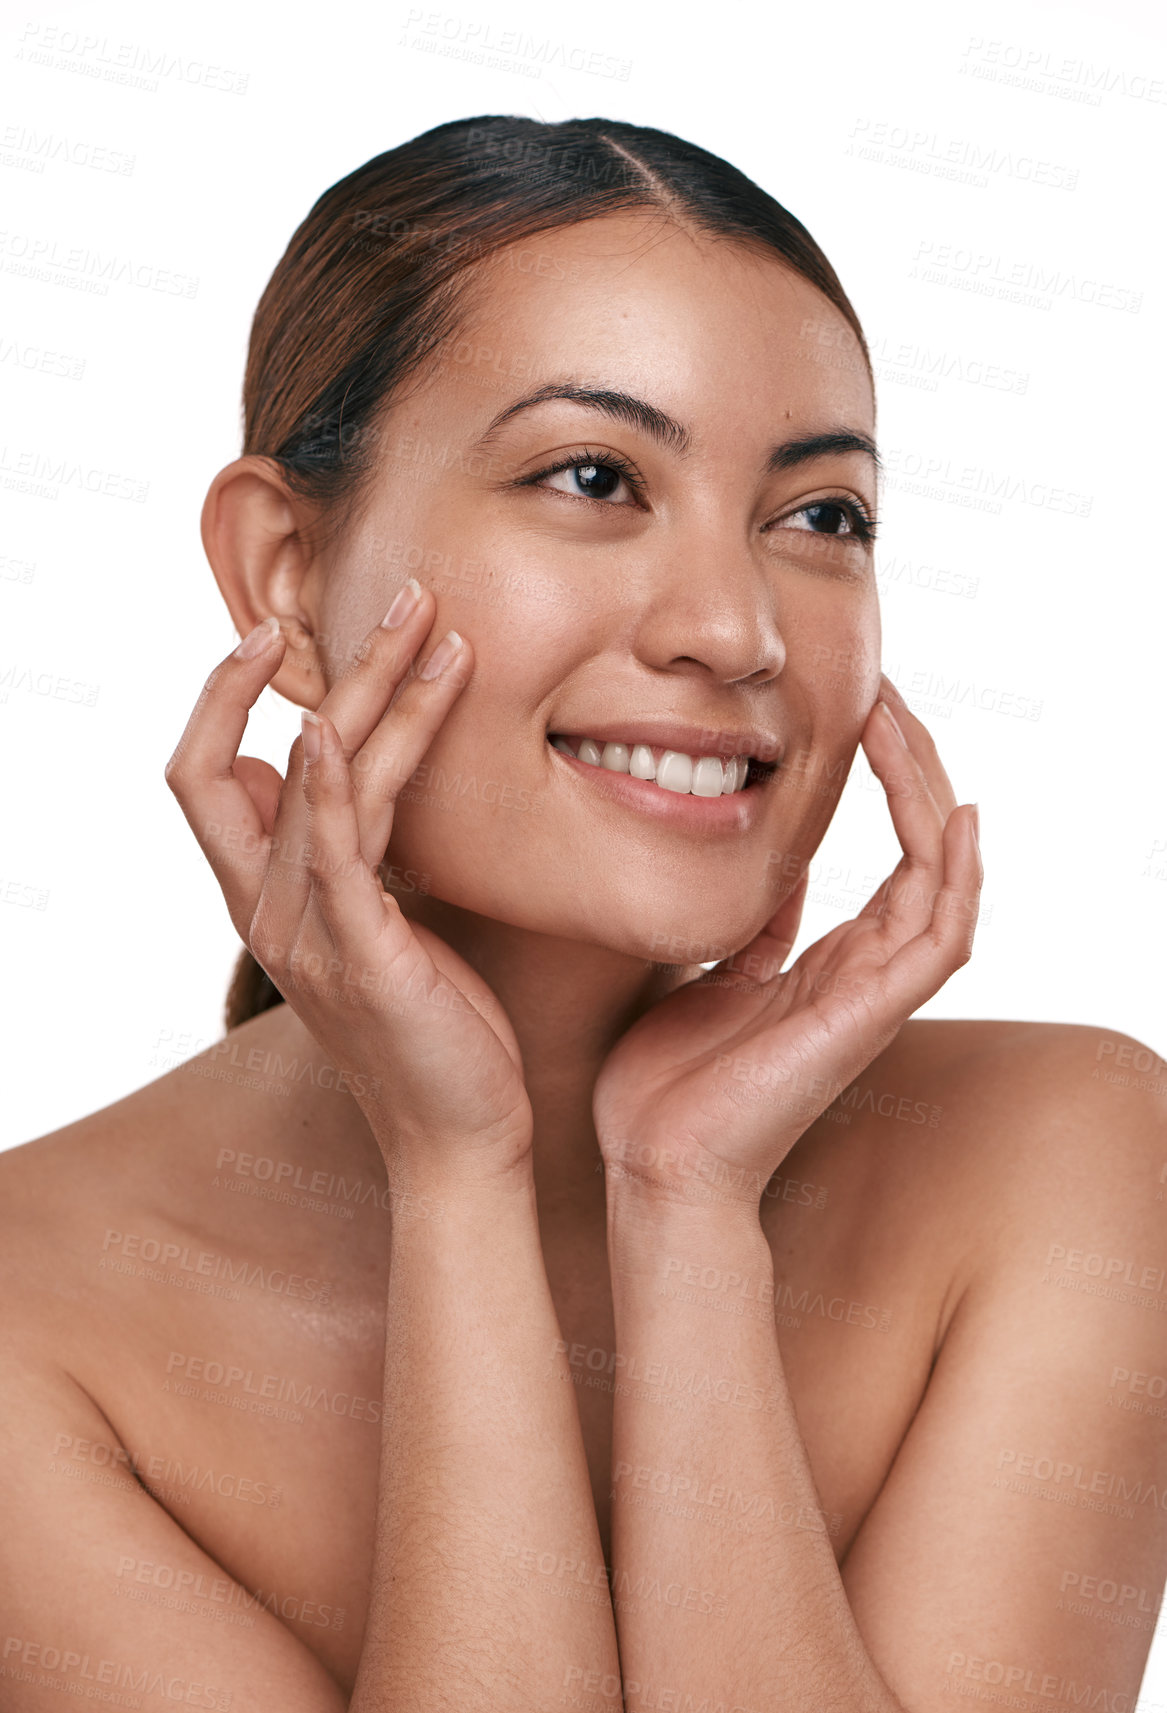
(252, 991)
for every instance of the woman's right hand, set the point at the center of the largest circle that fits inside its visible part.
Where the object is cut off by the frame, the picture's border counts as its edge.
(298, 862)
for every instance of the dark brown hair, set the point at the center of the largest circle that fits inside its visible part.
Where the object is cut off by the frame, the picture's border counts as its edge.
(371, 284)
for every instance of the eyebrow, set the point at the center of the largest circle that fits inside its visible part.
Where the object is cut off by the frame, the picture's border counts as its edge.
(649, 419)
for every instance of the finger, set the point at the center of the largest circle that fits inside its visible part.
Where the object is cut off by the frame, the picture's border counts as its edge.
(263, 784)
(217, 802)
(921, 745)
(381, 662)
(919, 968)
(762, 959)
(391, 756)
(354, 704)
(348, 910)
(905, 900)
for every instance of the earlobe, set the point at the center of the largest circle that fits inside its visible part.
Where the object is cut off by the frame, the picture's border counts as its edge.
(256, 537)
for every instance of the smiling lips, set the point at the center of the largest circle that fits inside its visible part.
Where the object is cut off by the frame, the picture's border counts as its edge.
(683, 772)
(671, 769)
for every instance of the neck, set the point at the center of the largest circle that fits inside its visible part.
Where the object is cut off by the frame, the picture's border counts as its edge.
(568, 1003)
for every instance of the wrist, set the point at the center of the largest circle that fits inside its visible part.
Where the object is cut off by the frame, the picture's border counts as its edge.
(453, 1175)
(649, 1178)
(681, 1209)
(666, 1247)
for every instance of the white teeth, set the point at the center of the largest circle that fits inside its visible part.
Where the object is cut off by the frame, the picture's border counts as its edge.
(674, 771)
(709, 779)
(698, 776)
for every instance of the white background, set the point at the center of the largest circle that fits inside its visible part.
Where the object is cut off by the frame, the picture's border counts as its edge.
(1024, 140)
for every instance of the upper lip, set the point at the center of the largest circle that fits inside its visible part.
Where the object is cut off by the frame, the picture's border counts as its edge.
(712, 739)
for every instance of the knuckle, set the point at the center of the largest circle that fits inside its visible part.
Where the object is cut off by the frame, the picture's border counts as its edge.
(261, 939)
(318, 864)
(962, 951)
(269, 956)
(180, 773)
(372, 649)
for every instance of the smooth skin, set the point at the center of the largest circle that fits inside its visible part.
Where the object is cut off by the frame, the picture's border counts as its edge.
(720, 1338)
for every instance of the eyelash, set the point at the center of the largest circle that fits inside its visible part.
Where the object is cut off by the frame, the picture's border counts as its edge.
(602, 460)
(863, 526)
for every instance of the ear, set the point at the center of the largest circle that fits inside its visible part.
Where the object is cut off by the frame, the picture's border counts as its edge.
(257, 535)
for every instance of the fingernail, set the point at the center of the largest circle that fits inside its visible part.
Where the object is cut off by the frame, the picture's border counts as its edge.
(895, 723)
(257, 640)
(402, 605)
(310, 732)
(976, 821)
(442, 655)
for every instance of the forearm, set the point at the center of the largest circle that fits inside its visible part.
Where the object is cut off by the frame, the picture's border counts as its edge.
(714, 1504)
(483, 1472)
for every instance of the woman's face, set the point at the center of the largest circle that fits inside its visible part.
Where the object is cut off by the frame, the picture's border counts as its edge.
(697, 583)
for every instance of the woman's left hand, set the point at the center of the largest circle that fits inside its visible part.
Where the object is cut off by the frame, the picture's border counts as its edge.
(704, 1096)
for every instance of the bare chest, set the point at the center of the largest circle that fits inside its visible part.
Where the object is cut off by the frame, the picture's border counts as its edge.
(254, 1418)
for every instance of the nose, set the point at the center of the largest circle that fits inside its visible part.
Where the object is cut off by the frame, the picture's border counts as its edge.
(710, 608)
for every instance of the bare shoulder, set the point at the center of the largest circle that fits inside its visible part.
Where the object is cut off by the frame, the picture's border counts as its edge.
(1038, 1439)
(1046, 1083)
(119, 1152)
(1053, 1111)
(979, 1135)
(139, 1164)
(89, 1474)
(47, 1182)
(147, 1150)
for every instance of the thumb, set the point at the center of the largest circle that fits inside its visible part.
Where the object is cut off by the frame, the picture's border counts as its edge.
(262, 784)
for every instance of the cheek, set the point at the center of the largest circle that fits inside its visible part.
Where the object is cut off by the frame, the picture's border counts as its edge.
(832, 653)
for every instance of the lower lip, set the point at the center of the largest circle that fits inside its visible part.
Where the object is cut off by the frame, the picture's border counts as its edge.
(735, 812)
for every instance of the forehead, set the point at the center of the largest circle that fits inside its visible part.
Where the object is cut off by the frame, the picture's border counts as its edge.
(706, 327)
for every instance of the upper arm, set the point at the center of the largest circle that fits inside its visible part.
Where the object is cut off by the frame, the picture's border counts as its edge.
(1020, 1539)
(69, 1621)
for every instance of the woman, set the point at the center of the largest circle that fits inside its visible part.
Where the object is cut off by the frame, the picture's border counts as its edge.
(509, 1312)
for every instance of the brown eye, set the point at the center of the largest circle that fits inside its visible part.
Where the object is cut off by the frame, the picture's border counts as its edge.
(839, 518)
(593, 481)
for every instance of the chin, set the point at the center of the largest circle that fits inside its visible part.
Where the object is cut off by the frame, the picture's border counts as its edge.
(679, 930)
